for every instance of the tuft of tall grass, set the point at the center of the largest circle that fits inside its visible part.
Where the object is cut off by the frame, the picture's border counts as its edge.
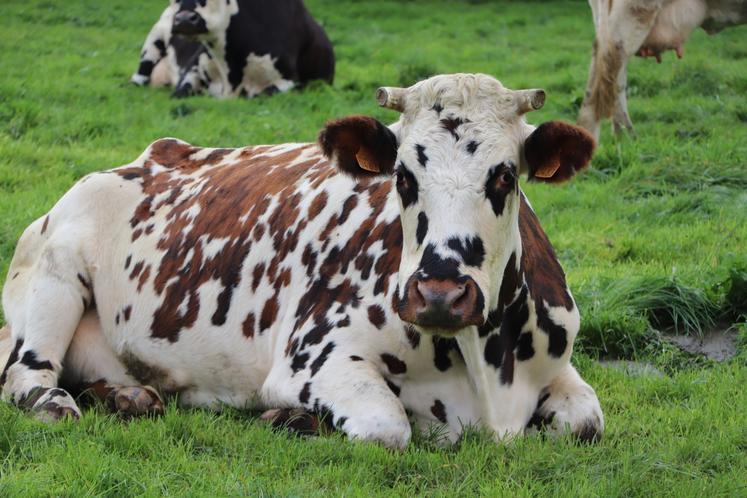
(665, 301)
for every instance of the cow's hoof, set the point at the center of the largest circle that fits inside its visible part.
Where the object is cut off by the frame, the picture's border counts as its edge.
(137, 401)
(296, 420)
(53, 405)
(576, 413)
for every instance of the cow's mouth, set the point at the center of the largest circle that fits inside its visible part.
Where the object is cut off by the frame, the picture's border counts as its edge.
(188, 23)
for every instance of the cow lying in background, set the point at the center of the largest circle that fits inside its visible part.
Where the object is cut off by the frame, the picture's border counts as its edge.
(235, 47)
(646, 28)
(386, 270)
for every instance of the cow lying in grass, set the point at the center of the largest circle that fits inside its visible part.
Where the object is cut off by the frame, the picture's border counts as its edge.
(230, 48)
(646, 28)
(385, 271)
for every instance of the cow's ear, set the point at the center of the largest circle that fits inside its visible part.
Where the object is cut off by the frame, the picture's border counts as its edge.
(555, 151)
(361, 146)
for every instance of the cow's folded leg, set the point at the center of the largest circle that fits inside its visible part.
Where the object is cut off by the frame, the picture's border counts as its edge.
(44, 307)
(569, 404)
(351, 395)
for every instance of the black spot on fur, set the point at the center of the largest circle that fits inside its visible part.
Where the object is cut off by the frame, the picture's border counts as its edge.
(437, 107)
(322, 358)
(432, 265)
(472, 147)
(422, 158)
(494, 351)
(422, 229)
(557, 334)
(394, 364)
(128, 261)
(394, 387)
(439, 411)
(305, 393)
(470, 249)
(407, 186)
(501, 181)
(131, 176)
(442, 348)
(451, 124)
(355, 358)
(299, 362)
(524, 349)
(29, 359)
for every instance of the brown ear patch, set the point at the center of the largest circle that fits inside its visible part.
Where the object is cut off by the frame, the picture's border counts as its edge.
(362, 146)
(555, 151)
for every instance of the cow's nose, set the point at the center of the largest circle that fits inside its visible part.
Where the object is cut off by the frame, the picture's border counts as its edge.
(444, 304)
(188, 22)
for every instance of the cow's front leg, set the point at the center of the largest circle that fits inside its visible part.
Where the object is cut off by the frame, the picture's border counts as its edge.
(507, 398)
(350, 391)
(568, 404)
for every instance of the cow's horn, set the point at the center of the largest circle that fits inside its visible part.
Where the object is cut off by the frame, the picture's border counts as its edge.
(391, 97)
(529, 100)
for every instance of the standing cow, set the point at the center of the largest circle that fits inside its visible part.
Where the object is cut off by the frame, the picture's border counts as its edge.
(385, 270)
(229, 48)
(646, 28)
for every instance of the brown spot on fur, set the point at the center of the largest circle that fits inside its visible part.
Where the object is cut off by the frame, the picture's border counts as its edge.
(126, 313)
(376, 316)
(136, 270)
(269, 314)
(143, 278)
(248, 326)
(317, 205)
(643, 14)
(45, 225)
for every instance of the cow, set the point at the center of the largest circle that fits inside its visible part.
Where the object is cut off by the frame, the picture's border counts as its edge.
(646, 28)
(385, 275)
(235, 48)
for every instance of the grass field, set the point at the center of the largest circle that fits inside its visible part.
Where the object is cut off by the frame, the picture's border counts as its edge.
(652, 238)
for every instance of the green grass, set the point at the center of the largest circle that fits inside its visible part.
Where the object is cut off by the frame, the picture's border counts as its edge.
(652, 237)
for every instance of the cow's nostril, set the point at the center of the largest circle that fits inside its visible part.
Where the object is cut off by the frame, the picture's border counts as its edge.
(461, 294)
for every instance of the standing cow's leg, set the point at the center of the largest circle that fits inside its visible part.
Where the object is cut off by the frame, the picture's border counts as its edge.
(569, 404)
(621, 29)
(620, 118)
(350, 391)
(44, 300)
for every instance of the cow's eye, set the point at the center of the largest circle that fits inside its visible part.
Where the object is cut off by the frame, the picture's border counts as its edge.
(407, 186)
(504, 179)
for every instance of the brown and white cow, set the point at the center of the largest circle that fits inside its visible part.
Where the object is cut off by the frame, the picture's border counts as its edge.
(646, 28)
(385, 271)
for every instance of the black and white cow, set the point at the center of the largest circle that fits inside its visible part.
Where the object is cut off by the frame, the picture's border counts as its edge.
(385, 271)
(229, 48)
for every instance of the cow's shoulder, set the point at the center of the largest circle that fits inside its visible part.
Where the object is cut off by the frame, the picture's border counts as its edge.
(544, 275)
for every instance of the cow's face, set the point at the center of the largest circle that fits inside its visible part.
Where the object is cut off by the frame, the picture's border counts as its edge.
(202, 19)
(456, 155)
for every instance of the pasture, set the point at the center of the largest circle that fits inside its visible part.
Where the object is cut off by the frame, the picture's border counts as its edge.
(652, 238)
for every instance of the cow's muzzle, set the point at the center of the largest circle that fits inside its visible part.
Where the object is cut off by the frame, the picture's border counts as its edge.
(443, 305)
(188, 23)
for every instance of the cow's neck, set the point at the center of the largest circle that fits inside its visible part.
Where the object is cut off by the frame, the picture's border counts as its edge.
(488, 380)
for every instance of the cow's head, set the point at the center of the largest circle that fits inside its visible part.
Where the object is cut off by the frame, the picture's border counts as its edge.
(456, 154)
(202, 18)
